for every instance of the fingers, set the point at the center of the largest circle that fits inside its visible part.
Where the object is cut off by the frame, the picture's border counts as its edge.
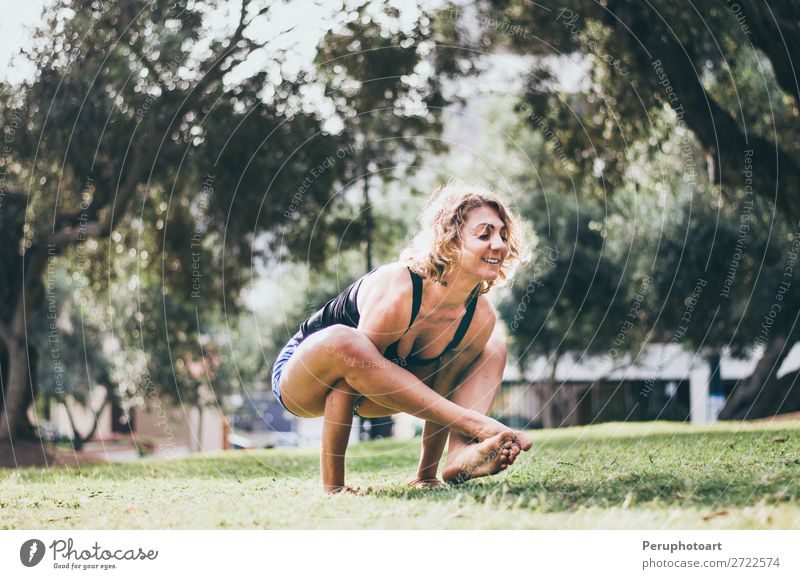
(523, 441)
(346, 490)
(425, 483)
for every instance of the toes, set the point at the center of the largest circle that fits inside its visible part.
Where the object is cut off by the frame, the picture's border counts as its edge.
(523, 441)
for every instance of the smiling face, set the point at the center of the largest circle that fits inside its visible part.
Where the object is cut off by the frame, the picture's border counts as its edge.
(467, 231)
(484, 246)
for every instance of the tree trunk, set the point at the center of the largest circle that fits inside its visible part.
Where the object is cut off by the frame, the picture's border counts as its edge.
(551, 408)
(368, 221)
(780, 395)
(19, 375)
(776, 172)
(199, 428)
(759, 395)
(17, 390)
(24, 428)
(78, 439)
(776, 30)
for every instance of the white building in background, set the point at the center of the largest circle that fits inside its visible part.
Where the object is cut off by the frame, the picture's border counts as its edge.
(665, 365)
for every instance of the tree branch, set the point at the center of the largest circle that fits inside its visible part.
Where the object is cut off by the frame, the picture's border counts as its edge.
(776, 175)
(212, 66)
(72, 233)
(14, 195)
(778, 36)
(151, 66)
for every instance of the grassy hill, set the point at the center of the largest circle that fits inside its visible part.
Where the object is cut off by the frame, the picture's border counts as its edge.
(629, 476)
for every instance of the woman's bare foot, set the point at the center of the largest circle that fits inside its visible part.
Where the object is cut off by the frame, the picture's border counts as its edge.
(346, 490)
(425, 483)
(482, 458)
(490, 427)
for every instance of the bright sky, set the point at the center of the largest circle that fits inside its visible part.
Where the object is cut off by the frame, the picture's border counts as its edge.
(297, 25)
(15, 25)
(304, 19)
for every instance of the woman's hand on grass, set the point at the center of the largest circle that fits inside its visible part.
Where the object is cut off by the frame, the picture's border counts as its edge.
(426, 483)
(346, 490)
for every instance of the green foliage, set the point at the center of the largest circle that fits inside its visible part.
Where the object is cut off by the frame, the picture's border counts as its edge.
(581, 283)
(722, 274)
(723, 69)
(378, 68)
(158, 184)
(629, 176)
(573, 295)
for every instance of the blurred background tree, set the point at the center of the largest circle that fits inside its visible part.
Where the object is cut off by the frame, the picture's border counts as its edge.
(131, 141)
(713, 83)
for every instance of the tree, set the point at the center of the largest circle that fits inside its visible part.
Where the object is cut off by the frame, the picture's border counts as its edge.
(126, 117)
(723, 282)
(133, 139)
(718, 75)
(378, 69)
(642, 57)
(78, 365)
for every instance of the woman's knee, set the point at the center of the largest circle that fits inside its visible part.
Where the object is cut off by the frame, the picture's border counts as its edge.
(342, 388)
(347, 345)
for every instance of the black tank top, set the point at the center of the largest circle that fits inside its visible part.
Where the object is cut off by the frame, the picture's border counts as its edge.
(343, 309)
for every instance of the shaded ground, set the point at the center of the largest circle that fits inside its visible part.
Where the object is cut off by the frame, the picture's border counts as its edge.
(780, 417)
(26, 453)
(653, 475)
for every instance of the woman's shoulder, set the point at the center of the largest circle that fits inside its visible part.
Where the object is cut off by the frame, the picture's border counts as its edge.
(391, 275)
(484, 312)
(384, 300)
(389, 284)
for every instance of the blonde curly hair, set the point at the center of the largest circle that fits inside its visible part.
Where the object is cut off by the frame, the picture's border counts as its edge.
(434, 250)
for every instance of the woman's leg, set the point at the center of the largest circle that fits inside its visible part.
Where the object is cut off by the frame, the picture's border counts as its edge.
(471, 383)
(341, 353)
(476, 389)
(477, 381)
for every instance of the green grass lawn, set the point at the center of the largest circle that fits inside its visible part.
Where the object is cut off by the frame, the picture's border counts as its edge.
(629, 476)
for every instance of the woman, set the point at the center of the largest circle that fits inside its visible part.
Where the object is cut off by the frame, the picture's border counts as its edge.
(415, 336)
